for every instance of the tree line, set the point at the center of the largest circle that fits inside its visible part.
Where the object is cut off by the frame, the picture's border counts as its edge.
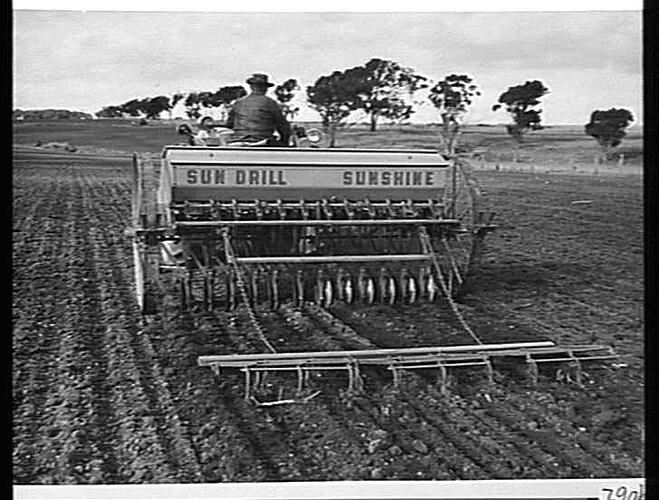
(196, 103)
(49, 114)
(384, 90)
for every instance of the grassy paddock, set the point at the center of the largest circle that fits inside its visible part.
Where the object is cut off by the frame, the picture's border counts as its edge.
(562, 145)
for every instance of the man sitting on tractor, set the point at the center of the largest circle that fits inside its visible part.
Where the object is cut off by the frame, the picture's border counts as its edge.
(255, 117)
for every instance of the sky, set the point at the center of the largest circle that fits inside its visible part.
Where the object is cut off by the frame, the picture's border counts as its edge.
(85, 60)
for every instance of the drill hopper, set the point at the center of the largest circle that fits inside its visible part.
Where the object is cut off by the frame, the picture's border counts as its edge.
(295, 224)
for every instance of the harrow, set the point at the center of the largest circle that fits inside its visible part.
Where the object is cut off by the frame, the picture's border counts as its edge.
(230, 226)
(438, 359)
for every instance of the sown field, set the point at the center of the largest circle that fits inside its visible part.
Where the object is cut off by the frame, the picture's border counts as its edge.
(101, 397)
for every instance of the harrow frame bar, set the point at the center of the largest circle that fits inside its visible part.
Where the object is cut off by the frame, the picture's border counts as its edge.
(363, 355)
(399, 360)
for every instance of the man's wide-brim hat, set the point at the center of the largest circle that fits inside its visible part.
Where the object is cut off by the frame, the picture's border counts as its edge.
(259, 79)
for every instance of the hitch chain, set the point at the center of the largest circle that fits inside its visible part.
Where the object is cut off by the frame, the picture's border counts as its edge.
(428, 249)
(231, 259)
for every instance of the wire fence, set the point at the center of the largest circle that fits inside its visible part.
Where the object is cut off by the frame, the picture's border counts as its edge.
(562, 166)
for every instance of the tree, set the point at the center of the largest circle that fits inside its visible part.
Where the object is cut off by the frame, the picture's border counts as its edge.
(230, 94)
(225, 97)
(110, 112)
(608, 128)
(284, 94)
(193, 105)
(519, 102)
(153, 106)
(175, 100)
(389, 88)
(134, 107)
(452, 97)
(50, 114)
(337, 95)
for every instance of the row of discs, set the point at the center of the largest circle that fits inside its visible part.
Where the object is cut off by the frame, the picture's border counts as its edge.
(325, 287)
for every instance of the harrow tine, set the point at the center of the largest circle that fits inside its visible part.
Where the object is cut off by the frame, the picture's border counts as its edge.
(254, 286)
(248, 383)
(274, 289)
(533, 369)
(299, 287)
(208, 279)
(256, 385)
(443, 379)
(449, 280)
(300, 381)
(209, 295)
(355, 381)
(359, 382)
(578, 371)
(490, 371)
(396, 375)
(231, 290)
(185, 293)
(318, 290)
(370, 236)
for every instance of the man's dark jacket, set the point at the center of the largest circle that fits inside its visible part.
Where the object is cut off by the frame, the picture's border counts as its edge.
(256, 117)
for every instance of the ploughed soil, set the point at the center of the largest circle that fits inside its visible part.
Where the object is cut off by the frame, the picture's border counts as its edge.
(100, 396)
